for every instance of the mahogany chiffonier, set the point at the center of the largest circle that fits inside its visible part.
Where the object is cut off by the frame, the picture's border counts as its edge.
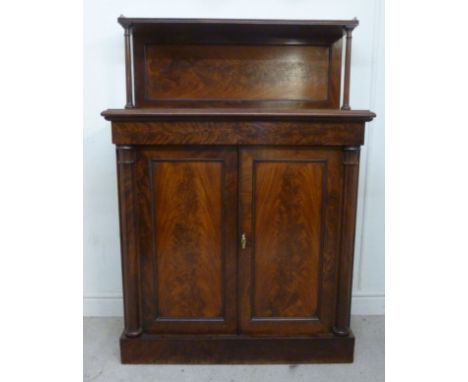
(237, 160)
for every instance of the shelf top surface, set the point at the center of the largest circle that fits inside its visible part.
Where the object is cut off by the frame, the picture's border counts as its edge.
(217, 113)
(134, 21)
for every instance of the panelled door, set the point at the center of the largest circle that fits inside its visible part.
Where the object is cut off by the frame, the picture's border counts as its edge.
(188, 234)
(288, 229)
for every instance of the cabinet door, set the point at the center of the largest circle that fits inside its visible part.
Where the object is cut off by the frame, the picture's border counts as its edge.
(289, 213)
(188, 235)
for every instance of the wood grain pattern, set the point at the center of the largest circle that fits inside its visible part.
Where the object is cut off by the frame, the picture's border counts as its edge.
(233, 72)
(288, 223)
(188, 234)
(238, 133)
(290, 215)
(227, 62)
(188, 198)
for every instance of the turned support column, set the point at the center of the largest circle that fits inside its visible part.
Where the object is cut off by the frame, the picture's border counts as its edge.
(348, 225)
(128, 240)
(347, 71)
(128, 67)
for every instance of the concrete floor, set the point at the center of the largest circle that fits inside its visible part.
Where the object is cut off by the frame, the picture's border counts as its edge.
(102, 363)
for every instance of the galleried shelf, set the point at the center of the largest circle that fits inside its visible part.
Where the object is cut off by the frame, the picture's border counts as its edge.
(237, 160)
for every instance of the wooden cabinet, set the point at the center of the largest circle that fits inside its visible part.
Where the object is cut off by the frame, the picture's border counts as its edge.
(237, 176)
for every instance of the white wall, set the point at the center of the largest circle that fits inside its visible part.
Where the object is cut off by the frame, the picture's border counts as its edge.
(104, 87)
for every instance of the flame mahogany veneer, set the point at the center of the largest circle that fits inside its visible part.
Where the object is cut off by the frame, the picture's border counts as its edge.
(237, 178)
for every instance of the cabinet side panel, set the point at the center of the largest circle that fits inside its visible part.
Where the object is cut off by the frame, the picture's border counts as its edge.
(187, 199)
(288, 214)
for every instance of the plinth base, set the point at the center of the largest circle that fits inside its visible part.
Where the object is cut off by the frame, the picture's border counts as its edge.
(221, 349)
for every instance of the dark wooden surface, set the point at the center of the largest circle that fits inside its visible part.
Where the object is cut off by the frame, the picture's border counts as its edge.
(347, 71)
(129, 239)
(184, 63)
(236, 72)
(322, 24)
(289, 211)
(188, 235)
(348, 225)
(287, 203)
(235, 349)
(188, 209)
(238, 113)
(233, 126)
(238, 133)
(262, 32)
(237, 129)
